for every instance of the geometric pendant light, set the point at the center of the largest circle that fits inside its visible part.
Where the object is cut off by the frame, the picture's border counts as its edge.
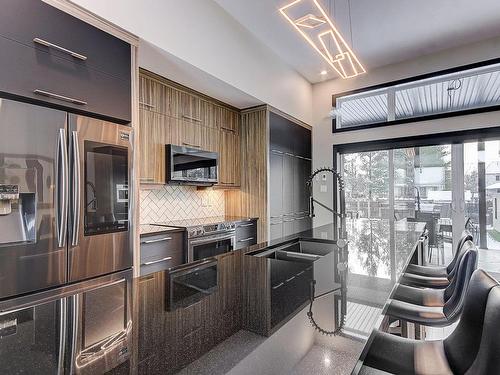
(312, 22)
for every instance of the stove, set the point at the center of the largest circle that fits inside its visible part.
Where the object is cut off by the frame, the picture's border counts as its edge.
(205, 226)
(208, 237)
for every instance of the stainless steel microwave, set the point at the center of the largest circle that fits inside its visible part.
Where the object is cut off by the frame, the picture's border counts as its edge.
(191, 166)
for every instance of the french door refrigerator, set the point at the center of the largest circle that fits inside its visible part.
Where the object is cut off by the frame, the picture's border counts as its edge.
(65, 254)
(64, 179)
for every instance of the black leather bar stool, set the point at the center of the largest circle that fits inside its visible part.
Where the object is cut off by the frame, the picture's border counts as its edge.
(449, 312)
(435, 277)
(472, 348)
(428, 296)
(440, 271)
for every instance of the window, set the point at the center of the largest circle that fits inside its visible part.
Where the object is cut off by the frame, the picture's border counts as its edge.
(449, 93)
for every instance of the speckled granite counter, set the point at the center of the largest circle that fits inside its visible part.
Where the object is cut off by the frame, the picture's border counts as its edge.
(171, 340)
(151, 229)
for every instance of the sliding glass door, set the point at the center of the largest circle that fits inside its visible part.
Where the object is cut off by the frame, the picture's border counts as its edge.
(436, 184)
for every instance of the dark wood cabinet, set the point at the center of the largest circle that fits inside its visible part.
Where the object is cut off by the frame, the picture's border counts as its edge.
(246, 233)
(289, 137)
(162, 251)
(290, 167)
(170, 340)
(39, 25)
(85, 70)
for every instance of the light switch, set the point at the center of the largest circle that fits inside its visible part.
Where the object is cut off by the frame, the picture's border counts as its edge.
(323, 189)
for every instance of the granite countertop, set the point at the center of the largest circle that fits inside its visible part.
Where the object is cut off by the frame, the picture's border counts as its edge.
(151, 229)
(378, 252)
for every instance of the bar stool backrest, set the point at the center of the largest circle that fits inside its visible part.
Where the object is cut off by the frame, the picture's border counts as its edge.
(487, 361)
(462, 345)
(468, 264)
(464, 248)
(466, 236)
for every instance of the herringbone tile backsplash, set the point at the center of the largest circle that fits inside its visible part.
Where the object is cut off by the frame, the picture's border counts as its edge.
(168, 203)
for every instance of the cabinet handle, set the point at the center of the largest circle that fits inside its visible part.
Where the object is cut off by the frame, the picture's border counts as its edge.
(302, 157)
(59, 48)
(59, 97)
(246, 239)
(246, 225)
(278, 286)
(147, 105)
(158, 240)
(278, 152)
(190, 144)
(302, 217)
(287, 221)
(191, 118)
(156, 261)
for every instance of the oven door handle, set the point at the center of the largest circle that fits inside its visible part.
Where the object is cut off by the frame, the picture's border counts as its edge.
(212, 239)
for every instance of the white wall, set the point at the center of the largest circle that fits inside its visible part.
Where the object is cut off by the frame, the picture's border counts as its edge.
(201, 33)
(323, 139)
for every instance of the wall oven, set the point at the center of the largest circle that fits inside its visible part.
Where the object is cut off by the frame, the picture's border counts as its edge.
(191, 166)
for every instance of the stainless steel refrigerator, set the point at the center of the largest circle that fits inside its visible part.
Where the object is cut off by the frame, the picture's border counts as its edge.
(64, 237)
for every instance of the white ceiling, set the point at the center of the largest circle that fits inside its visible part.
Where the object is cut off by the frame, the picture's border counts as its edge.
(383, 31)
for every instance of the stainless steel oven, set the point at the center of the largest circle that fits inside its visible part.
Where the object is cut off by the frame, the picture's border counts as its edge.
(210, 240)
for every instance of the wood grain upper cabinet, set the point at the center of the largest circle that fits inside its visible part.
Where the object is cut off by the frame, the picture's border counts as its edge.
(154, 133)
(210, 139)
(186, 133)
(227, 119)
(208, 114)
(229, 159)
(158, 97)
(190, 107)
(52, 57)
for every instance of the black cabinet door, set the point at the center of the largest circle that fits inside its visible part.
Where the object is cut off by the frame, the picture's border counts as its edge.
(304, 167)
(288, 184)
(281, 134)
(78, 88)
(276, 230)
(60, 34)
(276, 184)
(302, 142)
(288, 226)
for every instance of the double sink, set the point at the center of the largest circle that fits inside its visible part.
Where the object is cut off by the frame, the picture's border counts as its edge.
(289, 271)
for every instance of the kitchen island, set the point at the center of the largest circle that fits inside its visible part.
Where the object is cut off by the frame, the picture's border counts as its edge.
(168, 340)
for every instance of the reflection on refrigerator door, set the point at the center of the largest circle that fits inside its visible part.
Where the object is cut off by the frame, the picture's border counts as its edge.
(86, 333)
(32, 340)
(101, 328)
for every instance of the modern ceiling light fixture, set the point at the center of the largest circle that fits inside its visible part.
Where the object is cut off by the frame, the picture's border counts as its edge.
(310, 19)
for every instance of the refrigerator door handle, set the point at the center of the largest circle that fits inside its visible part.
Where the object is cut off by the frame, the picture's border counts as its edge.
(62, 336)
(76, 189)
(61, 199)
(74, 332)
